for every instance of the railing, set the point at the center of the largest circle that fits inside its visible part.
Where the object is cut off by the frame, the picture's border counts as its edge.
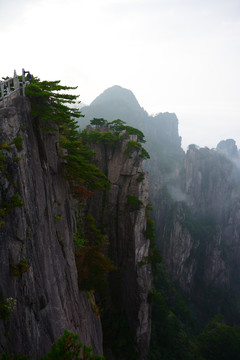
(12, 86)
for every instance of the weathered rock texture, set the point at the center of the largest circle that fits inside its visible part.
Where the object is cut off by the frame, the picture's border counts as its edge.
(125, 223)
(196, 198)
(40, 232)
(163, 142)
(201, 242)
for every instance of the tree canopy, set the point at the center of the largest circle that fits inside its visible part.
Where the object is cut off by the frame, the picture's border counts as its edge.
(50, 104)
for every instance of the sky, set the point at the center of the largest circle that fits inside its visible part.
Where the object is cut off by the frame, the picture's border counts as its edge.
(180, 56)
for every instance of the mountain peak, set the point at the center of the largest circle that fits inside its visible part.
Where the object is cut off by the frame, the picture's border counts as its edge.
(228, 148)
(119, 94)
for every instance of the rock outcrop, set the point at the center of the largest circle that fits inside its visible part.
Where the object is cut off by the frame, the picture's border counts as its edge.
(39, 290)
(163, 142)
(123, 217)
(229, 149)
(37, 264)
(196, 200)
(201, 242)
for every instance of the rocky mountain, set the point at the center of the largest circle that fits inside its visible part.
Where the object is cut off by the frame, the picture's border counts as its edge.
(196, 206)
(120, 103)
(88, 265)
(39, 291)
(38, 270)
(200, 242)
(123, 218)
(115, 100)
(163, 142)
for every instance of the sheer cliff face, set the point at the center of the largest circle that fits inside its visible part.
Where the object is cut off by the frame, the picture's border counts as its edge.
(201, 247)
(212, 183)
(125, 224)
(37, 264)
(163, 142)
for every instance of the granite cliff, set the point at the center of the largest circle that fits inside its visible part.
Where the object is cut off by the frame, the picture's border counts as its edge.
(200, 240)
(39, 279)
(124, 220)
(196, 207)
(161, 131)
(37, 262)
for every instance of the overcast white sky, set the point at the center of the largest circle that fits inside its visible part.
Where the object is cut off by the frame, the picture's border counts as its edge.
(179, 56)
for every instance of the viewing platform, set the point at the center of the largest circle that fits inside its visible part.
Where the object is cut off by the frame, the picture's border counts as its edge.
(13, 87)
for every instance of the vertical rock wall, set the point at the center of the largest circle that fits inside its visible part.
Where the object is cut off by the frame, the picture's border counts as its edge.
(201, 248)
(125, 224)
(36, 236)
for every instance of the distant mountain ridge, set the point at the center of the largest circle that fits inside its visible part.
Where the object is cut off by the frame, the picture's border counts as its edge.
(118, 93)
(161, 130)
(196, 201)
(115, 102)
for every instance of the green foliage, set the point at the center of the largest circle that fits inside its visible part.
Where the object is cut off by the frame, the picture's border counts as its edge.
(136, 146)
(3, 212)
(7, 307)
(94, 234)
(132, 146)
(57, 217)
(171, 326)
(154, 253)
(20, 268)
(132, 200)
(219, 341)
(79, 241)
(109, 138)
(173, 335)
(79, 237)
(140, 177)
(18, 141)
(9, 205)
(117, 125)
(95, 137)
(149, 207)
(68, 348)
(92, 264)
(133, 131)
(150, 228)
(79, 170)
(98, 122)
(51, 106)
(5, 146)
(15, 201)
(133, 203)
(144, 154)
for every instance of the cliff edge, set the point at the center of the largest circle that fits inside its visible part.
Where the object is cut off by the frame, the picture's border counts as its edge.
(37, 264)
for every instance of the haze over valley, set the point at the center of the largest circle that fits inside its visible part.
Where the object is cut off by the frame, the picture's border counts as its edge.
(120, 180)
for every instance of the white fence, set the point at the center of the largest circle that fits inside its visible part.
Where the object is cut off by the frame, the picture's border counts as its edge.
(10, 87)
